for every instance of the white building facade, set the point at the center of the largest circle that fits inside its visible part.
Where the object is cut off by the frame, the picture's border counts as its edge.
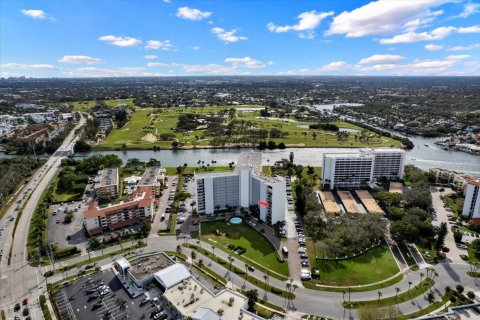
(471, 206)
(354, 170)
(242, 188)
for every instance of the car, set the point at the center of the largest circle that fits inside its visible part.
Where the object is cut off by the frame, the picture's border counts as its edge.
(97, 305)
(93, 297)
(58, 221)
(304, 263)
(17, 307)
(144, 301)
(25, 301)
(17, 317)
(250, 268)
(302, 250)
(25, 312)
(304, 256)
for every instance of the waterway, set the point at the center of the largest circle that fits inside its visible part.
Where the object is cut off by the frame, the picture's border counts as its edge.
(424, 155)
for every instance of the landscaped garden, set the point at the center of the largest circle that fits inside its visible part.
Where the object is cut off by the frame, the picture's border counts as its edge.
(257, 248)
(375, 265)
(150, 127)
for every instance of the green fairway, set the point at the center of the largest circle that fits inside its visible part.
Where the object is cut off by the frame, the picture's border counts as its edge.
(376, 265)
(259, 249)
(144, 131)
(86, 105)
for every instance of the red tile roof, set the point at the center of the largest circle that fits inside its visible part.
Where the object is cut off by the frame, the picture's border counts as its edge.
(142, 197)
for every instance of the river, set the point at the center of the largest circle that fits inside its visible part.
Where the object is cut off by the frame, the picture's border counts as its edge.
(421, 156)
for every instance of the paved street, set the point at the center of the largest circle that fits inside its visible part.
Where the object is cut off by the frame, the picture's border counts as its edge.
(454, 254)
(17, 279)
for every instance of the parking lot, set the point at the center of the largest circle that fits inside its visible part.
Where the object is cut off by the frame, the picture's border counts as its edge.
(102, 293)
(67, 233)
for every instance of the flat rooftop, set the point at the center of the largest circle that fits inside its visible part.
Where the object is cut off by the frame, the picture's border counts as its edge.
(190, 296)
(396, 187)
(369, 202)
(145, 266)
(328, 201)
(150, 176)
(351, 206)
(108, 177)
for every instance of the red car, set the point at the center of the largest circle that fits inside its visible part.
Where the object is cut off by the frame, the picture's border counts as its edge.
(25, 301)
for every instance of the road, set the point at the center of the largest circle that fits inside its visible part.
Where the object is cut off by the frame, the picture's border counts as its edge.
(454, 254)
(17, 278)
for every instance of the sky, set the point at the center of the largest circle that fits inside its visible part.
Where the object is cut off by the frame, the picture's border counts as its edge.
(125, 38)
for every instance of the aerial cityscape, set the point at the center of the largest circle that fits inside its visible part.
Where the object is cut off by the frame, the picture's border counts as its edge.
(221, 160)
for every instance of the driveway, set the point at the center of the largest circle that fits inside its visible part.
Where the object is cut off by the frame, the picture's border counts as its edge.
(454, 254)
(158, 224)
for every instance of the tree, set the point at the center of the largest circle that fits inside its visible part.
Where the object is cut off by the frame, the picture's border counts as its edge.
(291, 157)
(442, 233)
(471, 295)
(404, 231)
(387, 199)
(459, 288)
(175, 145)
(193, 255)
(430, 297)
(379, 295)
(457, 236)
(153, 163)
(476, 247)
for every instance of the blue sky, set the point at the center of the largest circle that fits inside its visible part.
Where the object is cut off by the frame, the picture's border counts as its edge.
(171, 37)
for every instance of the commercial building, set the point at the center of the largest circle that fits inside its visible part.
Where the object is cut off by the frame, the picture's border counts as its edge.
(244, 187)
(106, 183)
(140, 206)
(471, 206)
(154, 179)
(354, 170)
(188, 297)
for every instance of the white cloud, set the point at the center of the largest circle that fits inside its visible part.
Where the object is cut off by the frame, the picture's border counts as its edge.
(150, 56)
(382, 17)
(433, 47)
(105, 72)
(458, 57)
(192, 14)
(464, 48)
(36, 14)
(24, 66)
(196, 48)
(246, 62)
(167, 1)
(121, 41)
(157, 64)
(472, 29)
(410, 37)
(227, 36)
(162, 45)
(307, 22)
(336, 65)
(468, 9)
(382, 59)
(208, 68)
(80, 59)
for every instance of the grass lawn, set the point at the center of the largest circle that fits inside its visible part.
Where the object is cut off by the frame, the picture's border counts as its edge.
(87, 105)
(171, 171)
(147, 124)
(376, 265)
(259, 249)
(72, 194)
(471, 255)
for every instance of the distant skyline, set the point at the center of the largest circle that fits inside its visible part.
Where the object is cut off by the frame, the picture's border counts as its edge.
(182, 38)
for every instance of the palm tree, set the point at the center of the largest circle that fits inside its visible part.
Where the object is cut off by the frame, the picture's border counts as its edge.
(213, 252)
(193, 254)
(421, 277)
(230, 259)
(430, 297)
(379, 295)
(122, 304)
(199, 245)
(179, 249)
(107, 314)
(265, 277)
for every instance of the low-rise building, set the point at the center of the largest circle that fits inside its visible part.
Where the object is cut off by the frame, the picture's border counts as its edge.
(106, 183)
(35, 133)
(189, 297)
(140, 206)
(153, 178)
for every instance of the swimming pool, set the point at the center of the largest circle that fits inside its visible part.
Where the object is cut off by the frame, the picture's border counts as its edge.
(236, 220)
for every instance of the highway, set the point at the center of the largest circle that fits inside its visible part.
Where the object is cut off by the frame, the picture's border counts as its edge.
(18, 279)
